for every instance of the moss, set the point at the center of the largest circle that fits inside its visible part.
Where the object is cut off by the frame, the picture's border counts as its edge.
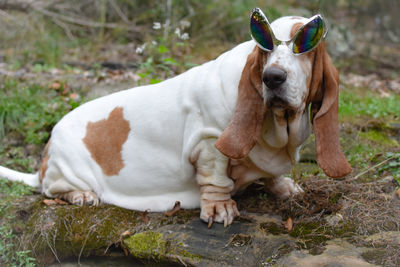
(313, 235)
(181, 217)
(346, 229)
(379, 138)
(157, 246)
(71, 231)
(147, 245)
(185, 216)
(374, 256)
(272, 228)
(304, 229)
(310, 234)
(190, 256)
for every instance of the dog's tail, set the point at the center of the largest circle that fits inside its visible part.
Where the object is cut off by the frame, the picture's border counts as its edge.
(27, 178)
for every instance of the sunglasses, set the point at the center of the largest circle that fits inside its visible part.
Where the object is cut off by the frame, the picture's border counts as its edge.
(305, 39)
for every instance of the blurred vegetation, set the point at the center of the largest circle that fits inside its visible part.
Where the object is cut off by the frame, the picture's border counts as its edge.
(31, 111)
(10, 253)
(52, 32)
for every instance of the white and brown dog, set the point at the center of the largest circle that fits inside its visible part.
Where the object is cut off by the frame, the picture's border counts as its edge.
(199, 137)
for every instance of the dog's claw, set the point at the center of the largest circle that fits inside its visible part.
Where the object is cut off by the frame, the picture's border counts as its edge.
(210, 222)
(218, 211)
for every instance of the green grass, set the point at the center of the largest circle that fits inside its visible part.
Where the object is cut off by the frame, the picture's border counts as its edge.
(356, 103)
(10, 254)
(31, 110)
(370, 140)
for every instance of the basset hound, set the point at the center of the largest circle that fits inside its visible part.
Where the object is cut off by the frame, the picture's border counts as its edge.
(201, 136)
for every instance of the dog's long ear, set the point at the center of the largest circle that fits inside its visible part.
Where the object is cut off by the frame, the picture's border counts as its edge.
(245, 127)
(324, 93)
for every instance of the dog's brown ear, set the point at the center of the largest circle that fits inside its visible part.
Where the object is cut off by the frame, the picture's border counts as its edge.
(245, 127)
(324, 93)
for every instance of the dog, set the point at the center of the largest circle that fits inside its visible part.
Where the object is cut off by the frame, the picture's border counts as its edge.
(204, 135)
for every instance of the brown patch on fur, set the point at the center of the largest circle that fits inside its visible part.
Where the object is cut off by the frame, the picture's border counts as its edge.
(295, 28)
(45, 160)
(304, 57)
(244, 129)
(104, 140)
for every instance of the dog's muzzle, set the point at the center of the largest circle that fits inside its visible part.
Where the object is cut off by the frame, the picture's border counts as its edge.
(274, 78)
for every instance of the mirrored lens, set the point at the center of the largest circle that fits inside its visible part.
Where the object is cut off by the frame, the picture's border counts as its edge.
(260, 30)
(309, 36)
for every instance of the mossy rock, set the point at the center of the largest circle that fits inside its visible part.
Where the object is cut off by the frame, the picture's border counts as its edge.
(62, 232)
(69, 233)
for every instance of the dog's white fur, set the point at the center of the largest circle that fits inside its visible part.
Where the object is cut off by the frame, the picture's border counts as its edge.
(170, 149)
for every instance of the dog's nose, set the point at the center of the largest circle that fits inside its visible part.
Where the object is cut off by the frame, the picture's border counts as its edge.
(273, 77)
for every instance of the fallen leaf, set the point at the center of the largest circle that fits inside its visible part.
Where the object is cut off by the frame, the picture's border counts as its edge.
(289, 224)
(144, 216)
(73, 96)
(126, 233)
(55, 86)
(398, 193)
(65, 91)
(57, 201)
(123, 235)
(174, 210)
(49, 202)
(60, 202)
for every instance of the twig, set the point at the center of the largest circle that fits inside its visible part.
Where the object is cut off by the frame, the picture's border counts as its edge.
(119, 11)
(370, 169)
(9, 17)
(65, 28)
(53, 250)
(91, 230)
(78, 21)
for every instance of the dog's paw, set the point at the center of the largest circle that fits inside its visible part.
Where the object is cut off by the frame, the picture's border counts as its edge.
(283, 187)
(81, 198)
(222, 211)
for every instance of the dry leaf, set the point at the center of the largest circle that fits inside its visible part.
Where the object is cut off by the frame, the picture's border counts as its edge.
(144, 216)
(60, 202)
(73, 96)
(289, 224)
(65, 91)
(49, 202)
(55, 86)
(123, 235)
(126, 233)
(174, 210)
(398, 193)
(57, 201)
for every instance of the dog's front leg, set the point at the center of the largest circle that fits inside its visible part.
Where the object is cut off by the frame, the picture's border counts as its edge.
(215, 186)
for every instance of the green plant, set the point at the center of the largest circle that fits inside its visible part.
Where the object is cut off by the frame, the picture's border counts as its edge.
(354, 103)
(31, 110)
(167, 53)
(10, 255)
(392, 165)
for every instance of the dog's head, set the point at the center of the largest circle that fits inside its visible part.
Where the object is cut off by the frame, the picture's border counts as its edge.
(276, 78)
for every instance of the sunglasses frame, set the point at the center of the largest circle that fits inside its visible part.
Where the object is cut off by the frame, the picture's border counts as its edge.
(276, 42)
